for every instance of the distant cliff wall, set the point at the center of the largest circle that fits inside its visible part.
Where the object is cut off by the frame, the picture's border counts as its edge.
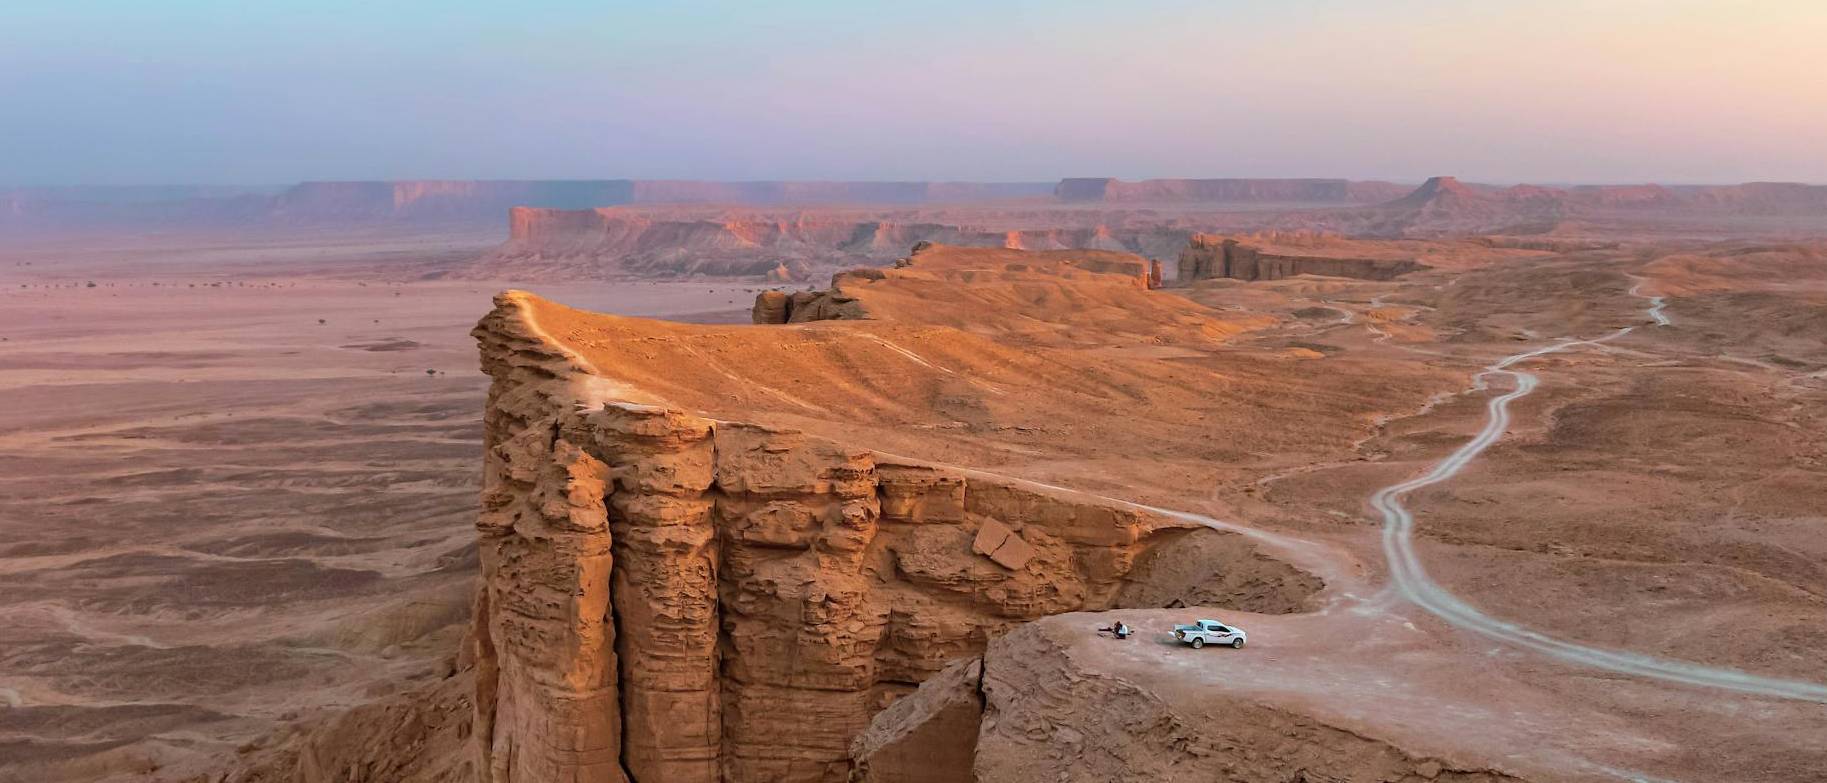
(616, 242)
(1208, 257)
(480, 203)
(1230, 191)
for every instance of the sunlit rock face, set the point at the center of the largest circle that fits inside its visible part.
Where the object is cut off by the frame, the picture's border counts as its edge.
(1208, 257)
(669, 597)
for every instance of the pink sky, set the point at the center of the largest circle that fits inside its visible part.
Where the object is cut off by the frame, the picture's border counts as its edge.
(1547, 91)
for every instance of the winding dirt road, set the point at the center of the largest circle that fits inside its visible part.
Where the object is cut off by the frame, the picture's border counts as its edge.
(1409, 578)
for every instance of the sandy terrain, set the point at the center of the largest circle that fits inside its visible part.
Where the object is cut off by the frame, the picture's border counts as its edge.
(222, 514)
(237, 485)
(1626, 559)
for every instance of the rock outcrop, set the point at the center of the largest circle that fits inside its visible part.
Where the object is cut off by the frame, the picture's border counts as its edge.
(961, 267)
(928, 735)
(1040, 705)
(661, 588)
(1208, 257)
(782, 307)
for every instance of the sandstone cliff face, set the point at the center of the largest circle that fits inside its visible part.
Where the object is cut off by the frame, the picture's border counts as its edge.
(672, 598)
(1210, 257)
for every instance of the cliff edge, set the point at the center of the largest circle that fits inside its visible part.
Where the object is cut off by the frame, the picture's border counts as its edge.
(660, 587)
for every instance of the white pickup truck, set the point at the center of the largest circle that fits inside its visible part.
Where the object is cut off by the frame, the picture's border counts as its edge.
(1204, 632)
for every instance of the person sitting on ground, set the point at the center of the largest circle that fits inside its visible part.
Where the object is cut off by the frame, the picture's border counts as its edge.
(1121, 630)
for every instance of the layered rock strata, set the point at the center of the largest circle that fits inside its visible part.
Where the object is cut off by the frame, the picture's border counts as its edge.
(620, 241)
(669, 597)
(1208, 257)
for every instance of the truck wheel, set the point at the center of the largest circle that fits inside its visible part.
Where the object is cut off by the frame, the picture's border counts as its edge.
(1198, 642)
(1236, 644)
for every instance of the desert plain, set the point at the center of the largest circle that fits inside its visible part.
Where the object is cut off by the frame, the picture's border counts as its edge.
(1503, 487)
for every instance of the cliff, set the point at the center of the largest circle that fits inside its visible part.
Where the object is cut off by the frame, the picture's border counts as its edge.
(1054, 298)
(660, 587)
(1208, 257)
(617, 242)
(968, 274)
(1444, 206)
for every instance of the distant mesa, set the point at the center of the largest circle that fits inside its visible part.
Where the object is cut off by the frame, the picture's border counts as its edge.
(1081, 212)
(1208, 257)
(480, 203)
(1225, 191)
(1444, 206)
(784, 244)
(1437, 189)
(974, 280)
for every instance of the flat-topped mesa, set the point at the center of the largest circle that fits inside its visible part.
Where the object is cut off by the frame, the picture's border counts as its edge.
(660, 588)
(1210, 256)
(850, 294)
(1281, 191)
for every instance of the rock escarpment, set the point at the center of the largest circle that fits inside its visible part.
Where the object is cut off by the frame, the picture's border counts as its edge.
(968, 269)
(1225, 191)
(669, 597)
(1209, 257)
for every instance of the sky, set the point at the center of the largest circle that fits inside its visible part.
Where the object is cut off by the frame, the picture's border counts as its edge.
(1549, 91)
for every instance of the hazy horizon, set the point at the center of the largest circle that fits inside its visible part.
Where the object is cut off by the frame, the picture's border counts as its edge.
(208, 93)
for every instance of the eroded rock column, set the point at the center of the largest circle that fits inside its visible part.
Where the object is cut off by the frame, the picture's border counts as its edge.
(548, 664)
(664, 588)
(798, 516)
